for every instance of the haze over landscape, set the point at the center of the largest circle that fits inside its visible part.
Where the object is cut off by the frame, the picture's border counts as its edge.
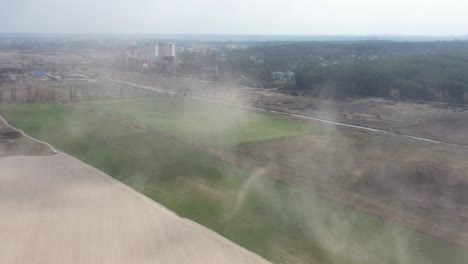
(148, 131)
(256, 17)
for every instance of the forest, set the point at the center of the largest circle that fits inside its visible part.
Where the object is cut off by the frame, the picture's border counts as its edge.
(417, 77)
(429, 71)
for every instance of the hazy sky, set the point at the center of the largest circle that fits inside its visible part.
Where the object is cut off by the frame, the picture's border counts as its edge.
(303, 17)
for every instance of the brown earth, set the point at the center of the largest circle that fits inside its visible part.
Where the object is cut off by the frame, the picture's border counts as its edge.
(56, 209)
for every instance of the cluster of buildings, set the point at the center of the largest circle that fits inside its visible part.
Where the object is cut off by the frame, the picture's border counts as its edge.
(236, 46)
(199, 50)
(150, 54)
(279, 76)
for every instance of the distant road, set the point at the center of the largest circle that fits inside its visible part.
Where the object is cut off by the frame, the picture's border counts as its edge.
(144, 87)
(159, 90)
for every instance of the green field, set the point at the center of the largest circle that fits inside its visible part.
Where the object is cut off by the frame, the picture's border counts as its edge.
(279, 222)
(202, 123)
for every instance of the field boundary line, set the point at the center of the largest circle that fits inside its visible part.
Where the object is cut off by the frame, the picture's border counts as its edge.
(131, 191)
(28, 136)
(153, 203)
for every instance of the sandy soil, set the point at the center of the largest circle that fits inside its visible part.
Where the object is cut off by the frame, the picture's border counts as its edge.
(56, 209)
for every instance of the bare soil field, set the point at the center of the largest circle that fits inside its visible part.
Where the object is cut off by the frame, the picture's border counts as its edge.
(56, 209)
(452, 128)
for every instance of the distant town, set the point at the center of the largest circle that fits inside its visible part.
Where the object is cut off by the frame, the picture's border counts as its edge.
(297, 68)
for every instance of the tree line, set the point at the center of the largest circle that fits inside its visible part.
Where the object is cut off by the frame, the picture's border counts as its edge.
(442, 77)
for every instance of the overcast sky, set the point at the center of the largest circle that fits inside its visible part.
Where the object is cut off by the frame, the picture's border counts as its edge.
(270, 17)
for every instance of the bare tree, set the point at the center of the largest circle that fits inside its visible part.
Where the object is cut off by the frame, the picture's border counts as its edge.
(29, 94)
(13, 93)
(37, 96)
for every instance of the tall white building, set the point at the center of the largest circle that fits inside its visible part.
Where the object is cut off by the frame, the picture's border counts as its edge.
(166, 50)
